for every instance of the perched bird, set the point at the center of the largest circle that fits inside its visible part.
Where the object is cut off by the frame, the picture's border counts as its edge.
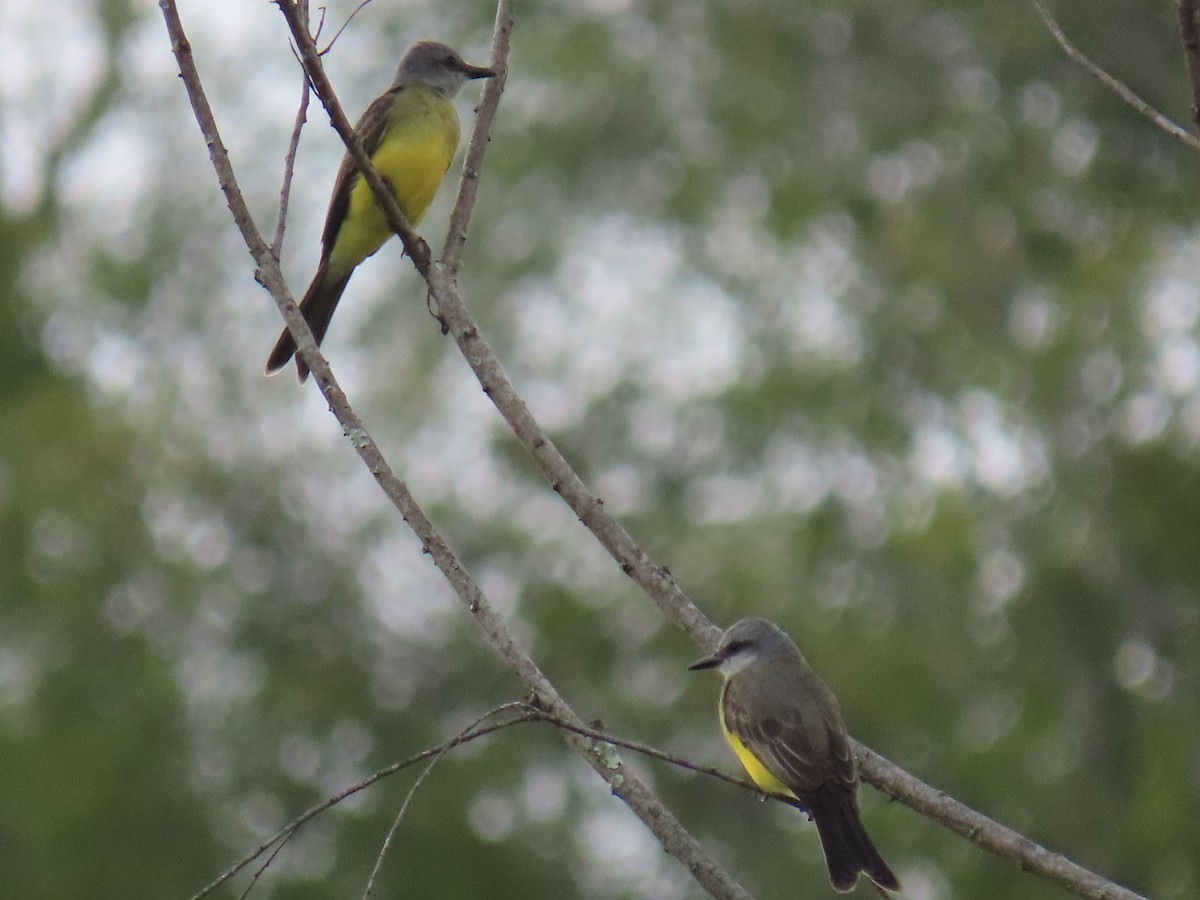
(786, 727)
(411, 133)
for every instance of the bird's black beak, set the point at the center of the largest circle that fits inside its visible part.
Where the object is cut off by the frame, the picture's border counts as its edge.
(473, 72)
(708, 662)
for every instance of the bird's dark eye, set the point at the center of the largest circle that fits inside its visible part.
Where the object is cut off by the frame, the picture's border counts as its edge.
(735, 646)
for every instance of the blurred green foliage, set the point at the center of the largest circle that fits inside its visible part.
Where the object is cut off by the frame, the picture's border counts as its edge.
(878, 319)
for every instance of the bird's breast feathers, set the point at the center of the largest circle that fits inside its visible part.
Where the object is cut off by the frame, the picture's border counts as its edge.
(418, 147)
(414, 153)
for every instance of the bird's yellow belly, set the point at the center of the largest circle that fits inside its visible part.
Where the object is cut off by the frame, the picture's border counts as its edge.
(413, 157)
(757, 771)
(415, 171)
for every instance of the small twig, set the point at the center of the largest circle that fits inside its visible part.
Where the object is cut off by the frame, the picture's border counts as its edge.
(266, 864)
(289, 159)
(1109, 81)
(461, 737)
(524, 713)
(286, 832)
(468, 183)
(938, 806)
(345, 25)
(1189, 26)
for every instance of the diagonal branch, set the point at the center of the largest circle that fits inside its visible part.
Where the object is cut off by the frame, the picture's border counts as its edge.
(474, 729)
(468, 184)
(1118, 87)
(654, 579)
(289, 169)
(987, 833)
(524, 714)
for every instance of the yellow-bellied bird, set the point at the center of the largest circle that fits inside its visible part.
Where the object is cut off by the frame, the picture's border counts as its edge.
(411, 133)
(786, 727)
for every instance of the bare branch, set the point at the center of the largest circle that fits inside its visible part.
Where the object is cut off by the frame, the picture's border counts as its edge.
(656, 580)
(1122, 91)
(524, 714)
(267, 273)
(289, 166)
(481, 134)
(465, 734)
(1002, 841)
(986, 833)
(266, 864)
(345, 25)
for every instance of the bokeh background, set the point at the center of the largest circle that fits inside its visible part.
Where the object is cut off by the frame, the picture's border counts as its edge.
(875, 318)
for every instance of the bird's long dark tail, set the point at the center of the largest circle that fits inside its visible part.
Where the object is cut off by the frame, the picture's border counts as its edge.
(848, 849)
(320, 300)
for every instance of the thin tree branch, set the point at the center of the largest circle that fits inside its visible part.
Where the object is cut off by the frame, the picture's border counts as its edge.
(412, 791)
(622, 782)
(345, 25)
(1189, 26)
(289, 165)
(468, 183)
(988, 833)
(937, 806)
(654, 579)
(1122, 91)
(658, 583)
(266, 864)
(524, 714)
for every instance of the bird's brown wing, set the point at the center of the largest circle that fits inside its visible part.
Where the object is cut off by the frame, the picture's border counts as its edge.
(797, 738)
(370, 128)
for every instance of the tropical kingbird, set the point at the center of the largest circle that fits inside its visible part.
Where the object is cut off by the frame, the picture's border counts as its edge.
(411, 134)
(786, 727)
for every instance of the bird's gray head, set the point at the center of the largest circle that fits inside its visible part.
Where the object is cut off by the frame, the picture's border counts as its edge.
(748, 642)
(438, 67)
